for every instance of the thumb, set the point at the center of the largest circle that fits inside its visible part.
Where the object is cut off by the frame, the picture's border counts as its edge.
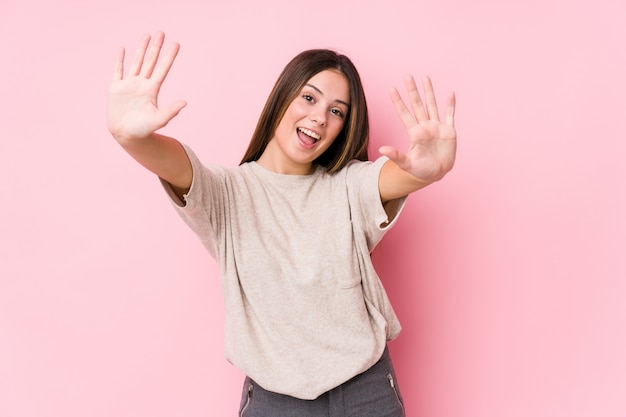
(172, 111)
(175, 108)
(393, 154)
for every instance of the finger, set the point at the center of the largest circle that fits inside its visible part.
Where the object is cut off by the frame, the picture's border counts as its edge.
(416, 102)
(166, 63)
(450, 110)
(175, 108)
(118, 72)
(393, 154)
(431, 103)
(171, 111)
(135, 67)
(405, 115)
(152, 54)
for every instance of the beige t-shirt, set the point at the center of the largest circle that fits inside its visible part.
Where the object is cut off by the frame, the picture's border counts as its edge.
(305, 310)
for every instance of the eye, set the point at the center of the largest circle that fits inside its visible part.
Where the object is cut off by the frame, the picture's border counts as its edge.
(308, 97)
(337, 112)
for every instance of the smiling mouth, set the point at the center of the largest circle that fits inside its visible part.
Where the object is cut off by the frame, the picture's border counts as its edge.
(307, 136)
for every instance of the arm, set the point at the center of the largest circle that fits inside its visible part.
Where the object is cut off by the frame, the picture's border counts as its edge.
(133, 115)
(432, 144)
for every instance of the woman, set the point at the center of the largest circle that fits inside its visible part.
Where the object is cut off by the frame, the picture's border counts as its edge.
(307, 319)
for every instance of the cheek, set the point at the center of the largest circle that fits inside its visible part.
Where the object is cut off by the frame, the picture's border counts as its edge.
(286, 123)
(336, 128)
(296, 110)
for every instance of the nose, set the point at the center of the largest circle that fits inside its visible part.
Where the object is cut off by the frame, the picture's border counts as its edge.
(318, 116)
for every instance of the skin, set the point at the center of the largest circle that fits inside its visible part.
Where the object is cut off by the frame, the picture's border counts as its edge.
(320, 107)
(133, 117)
(432, 143)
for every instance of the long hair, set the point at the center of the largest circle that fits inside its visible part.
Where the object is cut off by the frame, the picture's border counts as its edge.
(351, 143)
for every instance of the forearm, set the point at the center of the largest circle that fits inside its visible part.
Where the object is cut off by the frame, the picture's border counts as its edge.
(133, 115)
(394, 182)
(164, 156)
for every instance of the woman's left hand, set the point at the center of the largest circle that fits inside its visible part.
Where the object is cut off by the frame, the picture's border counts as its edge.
(432, 143)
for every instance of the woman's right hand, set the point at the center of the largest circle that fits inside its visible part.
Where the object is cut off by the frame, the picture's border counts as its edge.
(133, 114)
(132, 105)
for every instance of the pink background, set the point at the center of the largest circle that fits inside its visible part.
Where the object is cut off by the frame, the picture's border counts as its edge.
(509, 276)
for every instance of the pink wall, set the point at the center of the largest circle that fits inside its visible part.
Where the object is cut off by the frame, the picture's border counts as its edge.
(509, 276)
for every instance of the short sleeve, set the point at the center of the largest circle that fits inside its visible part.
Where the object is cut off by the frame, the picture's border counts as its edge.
(366, 206)
(202, 207)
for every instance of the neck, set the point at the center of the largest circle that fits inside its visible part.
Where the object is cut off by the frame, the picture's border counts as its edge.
(278, 163)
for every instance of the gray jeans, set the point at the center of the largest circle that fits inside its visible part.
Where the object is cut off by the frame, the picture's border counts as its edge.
(374, 393)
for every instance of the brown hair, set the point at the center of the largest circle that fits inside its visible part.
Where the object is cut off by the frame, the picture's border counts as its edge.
(351, 143)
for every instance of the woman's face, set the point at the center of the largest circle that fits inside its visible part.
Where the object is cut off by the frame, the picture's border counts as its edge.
(310, 125)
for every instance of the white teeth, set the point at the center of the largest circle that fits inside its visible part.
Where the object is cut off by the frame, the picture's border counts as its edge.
(309, 133)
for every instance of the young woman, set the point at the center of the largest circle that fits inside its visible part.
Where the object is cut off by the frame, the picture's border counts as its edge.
(292, 227)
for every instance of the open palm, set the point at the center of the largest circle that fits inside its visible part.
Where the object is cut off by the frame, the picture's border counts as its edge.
(432, 143)
(132, 101)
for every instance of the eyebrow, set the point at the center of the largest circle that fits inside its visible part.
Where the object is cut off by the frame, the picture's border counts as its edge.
(320, 91)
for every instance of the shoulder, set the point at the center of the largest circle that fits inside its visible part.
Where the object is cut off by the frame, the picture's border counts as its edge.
(363, 171)
(357, 165)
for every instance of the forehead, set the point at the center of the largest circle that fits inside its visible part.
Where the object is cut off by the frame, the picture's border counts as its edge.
(332, 84)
